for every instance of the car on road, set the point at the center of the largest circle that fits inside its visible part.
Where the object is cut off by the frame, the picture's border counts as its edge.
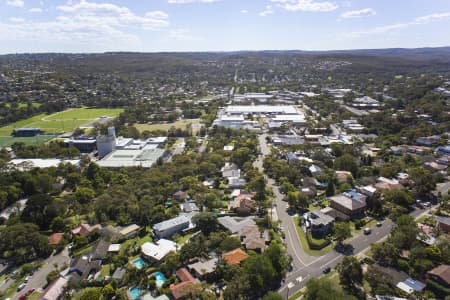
(367, 231)
(21, 286)
(326, 270)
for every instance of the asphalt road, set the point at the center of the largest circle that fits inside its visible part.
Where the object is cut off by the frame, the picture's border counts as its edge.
(39, 278)
(306, 266)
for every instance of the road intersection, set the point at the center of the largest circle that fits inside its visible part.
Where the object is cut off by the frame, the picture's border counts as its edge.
(305, 266)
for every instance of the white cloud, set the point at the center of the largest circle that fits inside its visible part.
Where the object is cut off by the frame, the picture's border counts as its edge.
(267, 11)
(306, 5)
(17, 20)
(16, 3)
(35, 10)
(108, 14)
(85, 24)
(393, 27)
(366, 12)
(191, 1)
(244, 11)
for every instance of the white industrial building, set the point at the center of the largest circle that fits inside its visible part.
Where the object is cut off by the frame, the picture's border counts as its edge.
(260, 110)
(236, 116)
(127, 152)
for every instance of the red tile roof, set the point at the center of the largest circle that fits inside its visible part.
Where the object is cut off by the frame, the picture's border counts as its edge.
(55, 238)
(235, 256)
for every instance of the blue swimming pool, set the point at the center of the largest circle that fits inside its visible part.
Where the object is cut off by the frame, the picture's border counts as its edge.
(139, 263)
(160, 278)
(135, 293)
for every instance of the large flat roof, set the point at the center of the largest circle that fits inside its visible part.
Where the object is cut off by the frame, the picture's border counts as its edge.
(159, 250)
(131, 158)
(261, 109)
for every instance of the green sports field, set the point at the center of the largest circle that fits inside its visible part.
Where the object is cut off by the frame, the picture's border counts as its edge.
(62, 121)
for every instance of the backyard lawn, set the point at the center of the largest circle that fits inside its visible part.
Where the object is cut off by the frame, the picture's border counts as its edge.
(304, 242)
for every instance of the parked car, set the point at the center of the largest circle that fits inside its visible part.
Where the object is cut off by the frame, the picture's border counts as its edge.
(30, 291)
(326, 270)
(21, 286)
(27, 279)
(379, 224)
(427, 204)
(22, 297)
(367, 231)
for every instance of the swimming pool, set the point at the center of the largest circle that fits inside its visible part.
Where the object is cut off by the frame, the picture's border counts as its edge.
(139, 263)
(160, 278)
(135, 293)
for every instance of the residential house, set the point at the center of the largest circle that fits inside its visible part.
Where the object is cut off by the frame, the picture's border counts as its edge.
(242, 204)
(186, 279)
(169, 227)
(230, 170)
(253, 239)
(428, 141)
(119, 274)
(114, 248)
(309, 191)
(55, 289)
(236, 182)
(235, 224)
(235, 257)
(343, 176)
(180, 195)
(441, 275)
(100, 250)
(157, 251)
(410, 286)
(189, 206)
(367, 190)
(129, 231)
(315, 170)
(85, 229)
(350, 203)
(443, 223)
(384, 183)
(55, 238)
(319, 223)
(203, 268)
(82, 267)
(442, 150)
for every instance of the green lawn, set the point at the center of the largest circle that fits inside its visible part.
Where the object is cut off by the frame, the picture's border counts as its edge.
(62, 121)
(7, 141)
(296, 295)
(305, 245)
(82, 251)
(178, 124)
(105, 270)
(183, 239)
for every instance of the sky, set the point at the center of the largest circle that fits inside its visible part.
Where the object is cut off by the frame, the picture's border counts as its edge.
(78, 26)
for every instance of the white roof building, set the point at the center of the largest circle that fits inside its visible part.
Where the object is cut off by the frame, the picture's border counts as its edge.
(261, 109)
(159, 250)
(145, 158)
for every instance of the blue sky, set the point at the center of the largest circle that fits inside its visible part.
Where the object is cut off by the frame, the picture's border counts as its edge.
(220, 25)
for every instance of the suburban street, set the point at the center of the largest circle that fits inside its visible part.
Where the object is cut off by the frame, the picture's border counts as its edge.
(306, 266)
(38, 280)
